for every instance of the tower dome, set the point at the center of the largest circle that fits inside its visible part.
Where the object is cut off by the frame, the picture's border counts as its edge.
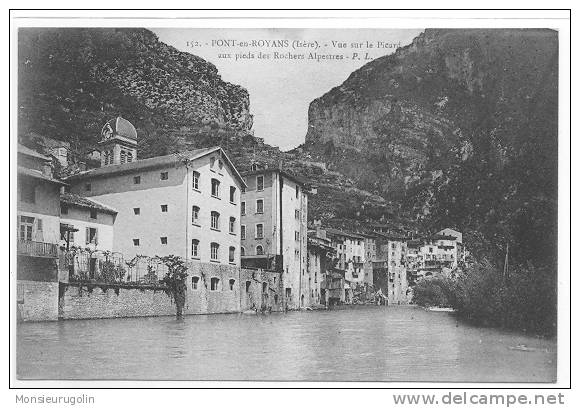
(119, 127)
(119, 142)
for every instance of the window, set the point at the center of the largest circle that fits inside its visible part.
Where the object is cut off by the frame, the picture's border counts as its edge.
(260, 206)
(259, 231)
(123, 156)
(232, 257)
(135, 241)
(66, 233)
(212, 164)
(26, 225)
(91, 236)
(296, 236)
(137, 180)
(215, 188)
(259, 183)
(136, 211)
(220, 165)
(93, 214)
(164, 175)
(297, 191)
(232, 194)
(195, 215)
(194, 282)
(242, 251)
(64, 209)
(214, 247)
(129, 157)
(195, 248)
(243, 232)
(243, 190)
(215, 220)
(243, 208)
(214, 283)
(88, 187)
(259, 250)
(195, 181)
(163, 240)
(232, 225)
(297, 214)
(163, 207)
(248, 286)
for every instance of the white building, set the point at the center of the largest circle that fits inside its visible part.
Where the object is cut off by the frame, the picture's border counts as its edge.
(185, 204)
(274, 233)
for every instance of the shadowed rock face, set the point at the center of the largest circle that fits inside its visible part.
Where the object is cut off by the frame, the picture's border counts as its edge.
(405, 117)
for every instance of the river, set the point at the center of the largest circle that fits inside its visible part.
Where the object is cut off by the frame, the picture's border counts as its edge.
(365, 343)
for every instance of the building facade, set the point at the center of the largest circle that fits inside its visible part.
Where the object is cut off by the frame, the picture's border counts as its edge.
(185, 204)
(274, 209)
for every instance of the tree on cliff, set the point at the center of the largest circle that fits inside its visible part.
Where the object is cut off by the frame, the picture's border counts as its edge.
(174, 279)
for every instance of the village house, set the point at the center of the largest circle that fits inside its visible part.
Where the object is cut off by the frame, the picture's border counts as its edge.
(86, 223)
(38, 226)
(273, 230)
(185, 204)
(350, 250)
(319, 266)
(390, 267)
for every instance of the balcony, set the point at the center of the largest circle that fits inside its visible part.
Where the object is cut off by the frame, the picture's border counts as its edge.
(37, 249)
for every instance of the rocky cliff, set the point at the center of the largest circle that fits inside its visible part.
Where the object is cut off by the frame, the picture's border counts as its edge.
(458, 127)
(71, 80)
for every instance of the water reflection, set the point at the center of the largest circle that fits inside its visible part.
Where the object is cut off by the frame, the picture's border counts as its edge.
(358, 344)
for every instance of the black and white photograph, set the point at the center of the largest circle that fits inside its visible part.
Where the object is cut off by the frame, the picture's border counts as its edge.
(292, 203)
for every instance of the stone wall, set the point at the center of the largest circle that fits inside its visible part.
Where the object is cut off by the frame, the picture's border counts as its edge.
(36, 300)
(227, 294)
(261, 290)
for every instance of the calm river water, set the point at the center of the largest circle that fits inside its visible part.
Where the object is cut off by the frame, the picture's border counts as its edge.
(357, 344)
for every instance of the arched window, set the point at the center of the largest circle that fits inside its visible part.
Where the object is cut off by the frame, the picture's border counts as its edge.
(232, 254)
(214, 247)
(129, 157)
(242, 251)
(232, 225)
(264, 287)
(232, 284)
(215, 188)
(195, 248)
(123, 156)
(195, 180)
(195, 215)
(259, 250)
(215, 220)
(194, 282)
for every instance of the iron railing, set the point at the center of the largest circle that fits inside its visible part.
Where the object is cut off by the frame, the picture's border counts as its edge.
(37, 249)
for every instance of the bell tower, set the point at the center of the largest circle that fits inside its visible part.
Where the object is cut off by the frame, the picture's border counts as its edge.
(118, 143)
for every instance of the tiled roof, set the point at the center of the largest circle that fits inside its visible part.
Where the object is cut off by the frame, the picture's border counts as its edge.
(344, 233)
(80, 201)
(153, 162)
(38, 175)
(29, 152)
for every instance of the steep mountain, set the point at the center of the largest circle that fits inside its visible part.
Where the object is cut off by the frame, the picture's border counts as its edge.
(458, 128)
(72, 80)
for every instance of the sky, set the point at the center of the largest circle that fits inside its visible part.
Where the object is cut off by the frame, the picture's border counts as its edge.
(281, 88)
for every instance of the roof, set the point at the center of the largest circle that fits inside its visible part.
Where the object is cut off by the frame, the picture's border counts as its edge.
(38, 175)
(119, 126)
(33, 153)
(284, 173)
(84, 202)
(442, 236)
(343, 233)
(390, 236)
(154, 162)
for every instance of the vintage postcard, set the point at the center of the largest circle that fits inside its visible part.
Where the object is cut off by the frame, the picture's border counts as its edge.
(289, 200)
